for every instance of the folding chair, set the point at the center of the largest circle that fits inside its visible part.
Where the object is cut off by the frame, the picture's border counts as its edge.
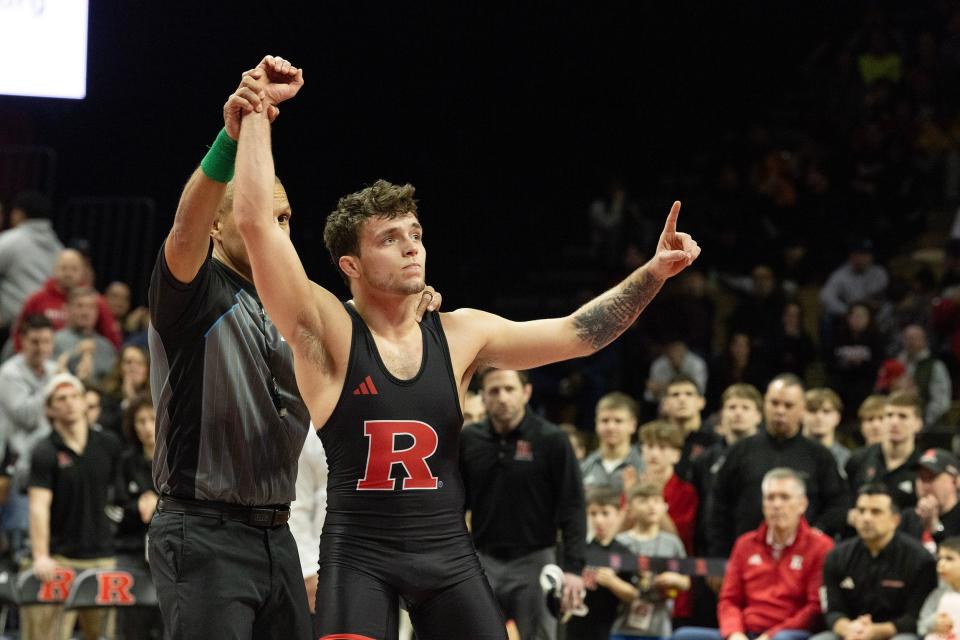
(9, 597)
(31, 590)
(112, 589)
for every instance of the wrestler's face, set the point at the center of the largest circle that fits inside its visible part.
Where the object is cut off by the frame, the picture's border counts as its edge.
(392, 256)
(229, 246)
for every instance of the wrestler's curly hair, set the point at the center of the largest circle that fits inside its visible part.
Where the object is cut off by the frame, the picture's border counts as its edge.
(382, 199)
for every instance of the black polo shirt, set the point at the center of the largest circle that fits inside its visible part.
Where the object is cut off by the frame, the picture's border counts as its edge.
(521, 488)
(872, 467)
(891, 587)
(81, 486)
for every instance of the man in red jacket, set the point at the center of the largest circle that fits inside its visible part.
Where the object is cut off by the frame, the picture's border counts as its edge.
(51, 299)
(771, 587)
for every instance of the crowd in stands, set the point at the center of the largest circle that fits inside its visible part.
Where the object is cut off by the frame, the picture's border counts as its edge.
(789, 406)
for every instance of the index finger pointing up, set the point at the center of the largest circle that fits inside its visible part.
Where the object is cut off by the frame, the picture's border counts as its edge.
(671, 225)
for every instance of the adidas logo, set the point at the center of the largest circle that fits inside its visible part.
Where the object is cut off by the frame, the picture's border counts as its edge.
(366, 388)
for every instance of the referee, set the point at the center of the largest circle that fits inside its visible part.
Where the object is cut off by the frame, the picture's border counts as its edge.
(230, 423)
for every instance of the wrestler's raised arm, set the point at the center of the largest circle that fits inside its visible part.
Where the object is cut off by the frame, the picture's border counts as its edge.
(522, 345)
(304, 312)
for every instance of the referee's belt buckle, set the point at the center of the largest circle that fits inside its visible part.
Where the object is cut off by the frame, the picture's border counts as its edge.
(260, 517)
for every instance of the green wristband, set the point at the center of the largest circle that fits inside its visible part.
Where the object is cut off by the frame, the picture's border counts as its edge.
(218, 163)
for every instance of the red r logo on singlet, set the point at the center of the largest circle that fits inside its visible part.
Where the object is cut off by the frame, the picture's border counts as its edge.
(382, 454)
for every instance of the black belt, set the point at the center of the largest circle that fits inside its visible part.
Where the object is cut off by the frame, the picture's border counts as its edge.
(263, 517)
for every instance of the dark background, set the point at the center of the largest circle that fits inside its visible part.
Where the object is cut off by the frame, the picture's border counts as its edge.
(506, 117)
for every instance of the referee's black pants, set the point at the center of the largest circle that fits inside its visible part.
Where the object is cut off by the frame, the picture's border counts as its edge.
(220, 579)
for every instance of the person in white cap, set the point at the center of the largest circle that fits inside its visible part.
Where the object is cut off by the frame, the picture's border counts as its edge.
(71, 473)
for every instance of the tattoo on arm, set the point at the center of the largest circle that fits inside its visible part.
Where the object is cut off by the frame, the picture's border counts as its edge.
(601, 321)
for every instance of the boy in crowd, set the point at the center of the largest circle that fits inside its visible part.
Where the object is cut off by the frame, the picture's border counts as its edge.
(648, 615)
(873, 426)
(606, 590)
(616, 422)
(893, 462)
(661, 444)
(682, 405)
(820, 421)
(933, 617)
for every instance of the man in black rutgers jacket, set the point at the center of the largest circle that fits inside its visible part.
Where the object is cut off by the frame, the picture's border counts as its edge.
(737, 497)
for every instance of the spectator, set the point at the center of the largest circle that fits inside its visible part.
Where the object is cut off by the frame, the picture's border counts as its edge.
(676, 360)
(27, 253)
(853, 358)
(117, 295)
(606, 216)
(741, 364)
(936, 516)
(929, 374)
(606, 589)
(740, 418)
(22, 414)
(94, 400)
(137, 498)
(758, 314)
(772, 583)
(78, 347)
(893, 462)
(135, 491)
(875, 584)
(684, 308)
(129, 378)
(682, 405)
(873, 425)
(792, 349)
(308, 512)
(648, 615)
(71, 474)
(473, 409)
(933, 618)
(820, 422)
(69, 271)
(661, 446)
(859, 280)
(579, 441)
(616, 422)
(132, 322)
(522, 483)
(737, 495)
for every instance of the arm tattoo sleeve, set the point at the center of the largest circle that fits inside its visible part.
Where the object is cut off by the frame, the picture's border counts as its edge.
(599, 322)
